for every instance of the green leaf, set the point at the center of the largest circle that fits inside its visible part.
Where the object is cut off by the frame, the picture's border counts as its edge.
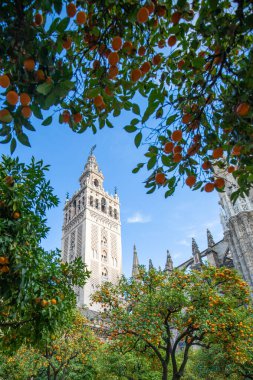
(169, 192)
(22, 137)
(62, 26)
(136, 109)
(138, 139)
(109, 124)
(6, 140)
(67, 84)
(13, 145)
(47, 121)
(151, 190)
(134, 121)
(36, 111)
(171, 119)
(44, 88)
(151, 163)
(53, 26)
(138, 167)
(166, 160)
(130, 128)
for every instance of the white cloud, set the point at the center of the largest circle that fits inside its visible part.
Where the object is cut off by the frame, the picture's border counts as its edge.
(184, 242)
(137, 217)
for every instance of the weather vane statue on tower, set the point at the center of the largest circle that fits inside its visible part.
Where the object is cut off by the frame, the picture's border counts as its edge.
(92, 150)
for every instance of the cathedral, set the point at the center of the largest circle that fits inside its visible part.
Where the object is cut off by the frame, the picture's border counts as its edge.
(92, 231)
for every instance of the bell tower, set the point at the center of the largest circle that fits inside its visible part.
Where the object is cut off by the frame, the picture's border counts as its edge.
(92, 231)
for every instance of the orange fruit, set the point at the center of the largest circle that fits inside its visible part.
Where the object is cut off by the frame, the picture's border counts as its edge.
(181, 64)
(236, 150)
(26, 112)
(29, 64)
(217, 153)
(150, 8)
(168, 147)
(77, 117)
(53, 301)
(98, 101)
(81, 18)
(16, 215)
(193, 149)
(243, 109)
(96, 64)
(44, 303)
(176, 135)
(4, 81)
(231, 169)
(219, 183)
(66, 116)
(177, 149)
(66, 44)
(12, 97)
(71, 10)
(161, 44)
(161, 11)
(113, 72)
(113, 58)
(142, 51)
(142, 15)
(209, 187)
(160, 178)
(117, 43)
(175, 18)
(127, 47)
(186, 118)
(108, 91)
(206, 165)
(157, 59)
(136, 75)
(5, 116)
(40, 75)
(38, 19)
(145, 67)
(177, 157)
(155, 23)
(25, 99)
(172, 40)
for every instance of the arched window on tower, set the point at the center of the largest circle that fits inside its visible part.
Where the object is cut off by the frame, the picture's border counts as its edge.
(104, 257)
(104, 241)
(91, 200)
(115, 214)
(103, 204)
(104, 274)
(97, 204)
(110, 210)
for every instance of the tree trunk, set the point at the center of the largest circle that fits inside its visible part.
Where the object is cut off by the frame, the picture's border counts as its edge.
(165, 372)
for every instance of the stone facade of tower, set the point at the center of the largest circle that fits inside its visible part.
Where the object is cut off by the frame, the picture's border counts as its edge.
(92, 231)
(237, 221)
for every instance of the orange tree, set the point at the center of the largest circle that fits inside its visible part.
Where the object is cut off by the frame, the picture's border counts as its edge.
(36, 294)
(165, 313)
(188, 65)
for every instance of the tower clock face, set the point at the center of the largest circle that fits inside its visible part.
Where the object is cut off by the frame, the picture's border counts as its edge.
(96, 182)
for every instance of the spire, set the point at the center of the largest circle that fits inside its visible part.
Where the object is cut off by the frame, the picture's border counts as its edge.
(196, 253)
(92, 173)
(210, 241)
(150, 265)
(135, 269)
(169, 263)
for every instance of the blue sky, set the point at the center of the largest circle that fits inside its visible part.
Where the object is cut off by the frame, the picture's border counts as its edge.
(152, 222)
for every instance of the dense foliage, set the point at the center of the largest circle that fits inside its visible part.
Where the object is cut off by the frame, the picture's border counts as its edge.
(36, 288)
(184, 69)
(164, 313)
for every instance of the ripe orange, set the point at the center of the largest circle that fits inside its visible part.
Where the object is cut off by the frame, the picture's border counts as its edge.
(161, 11)
(177, 149)
(98, 101)
(172, 40)
(26, 112)
(96, 64)
(176, 135)
(243, 109)
(40, 75)
(38, 19)
(4, 81)
(161, 44)
(236, 150)
(12, 97)
(113, 58)
(108, 91)
(217, 153)
(209, 187)
(81, 18)
(66, 116)
(25, 99)
(145, 67)
(77, 117)
(175, 18)
(181, 64)
(157, 59)
(71, 10)
(16, 215)
(186, 118)
(219, 183)
(168, 147)
(177, 157)
(53, 301)
(231, 169)
(142, 15)
(5, 116)
(44, 303)
(127, 47)
(66, 44)
(9, 180)
(117, 43)
(160, 178)
(150, 8)
(136, 75)
(142, 51)
(113, 72)
(206, 165)
(29, 64)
